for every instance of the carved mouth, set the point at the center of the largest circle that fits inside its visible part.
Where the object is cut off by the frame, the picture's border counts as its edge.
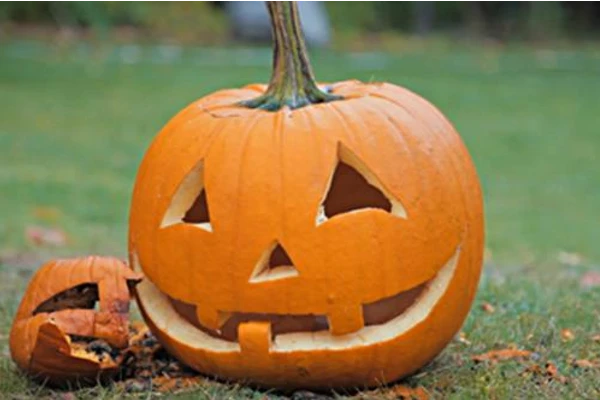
(376, 313)
(383, 320)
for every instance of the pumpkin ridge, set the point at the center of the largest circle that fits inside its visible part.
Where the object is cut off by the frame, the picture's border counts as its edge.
(454, 153)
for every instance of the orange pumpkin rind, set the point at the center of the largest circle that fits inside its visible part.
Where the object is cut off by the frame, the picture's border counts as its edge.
(305, 238)
(212, 272)
(53, 340)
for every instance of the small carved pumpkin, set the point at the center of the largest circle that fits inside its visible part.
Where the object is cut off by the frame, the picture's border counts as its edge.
(67, 307)
(307, 238)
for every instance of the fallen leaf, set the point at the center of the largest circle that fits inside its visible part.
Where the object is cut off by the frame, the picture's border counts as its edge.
(488, 308)
(501, 355)
(409, 393)
(570, 259)
(41, 236)
(567, 335)
(168, 384)
(533, 369)
(586, 364)
(552, 373)
(596, 338)
(590, 279)
(547, 373)
(462, 338)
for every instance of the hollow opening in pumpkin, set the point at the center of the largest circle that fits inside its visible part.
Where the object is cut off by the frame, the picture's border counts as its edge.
(81, 297)
(160, 309)
(198, 212)
(376, 313)
(189, 203)
(279, 258)
(384, 310)
(350, 191)
(280, 323)
(84, 296)
(274, 263)
(354, 187)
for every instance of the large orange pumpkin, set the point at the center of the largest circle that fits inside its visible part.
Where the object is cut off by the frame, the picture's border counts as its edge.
(307, 238)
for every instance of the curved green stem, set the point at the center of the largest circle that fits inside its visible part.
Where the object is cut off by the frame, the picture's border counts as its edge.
(292, 82)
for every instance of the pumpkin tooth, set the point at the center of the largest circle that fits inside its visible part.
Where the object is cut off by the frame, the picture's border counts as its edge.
(255, 337)
(211, 317)
(345, 319)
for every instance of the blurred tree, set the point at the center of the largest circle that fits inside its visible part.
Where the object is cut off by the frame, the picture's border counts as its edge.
(546, 20)
(358, 16)
(475, 20)
(424, 14)
(394, 15)
(582, 17)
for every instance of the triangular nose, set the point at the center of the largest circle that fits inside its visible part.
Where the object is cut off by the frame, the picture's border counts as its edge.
(274, 263)
(279, 258)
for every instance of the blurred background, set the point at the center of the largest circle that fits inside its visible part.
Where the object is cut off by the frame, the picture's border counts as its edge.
(355, 25)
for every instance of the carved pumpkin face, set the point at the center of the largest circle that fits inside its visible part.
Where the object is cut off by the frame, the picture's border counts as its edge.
(334, 245)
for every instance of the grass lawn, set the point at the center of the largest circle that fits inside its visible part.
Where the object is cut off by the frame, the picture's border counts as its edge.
(74, 123)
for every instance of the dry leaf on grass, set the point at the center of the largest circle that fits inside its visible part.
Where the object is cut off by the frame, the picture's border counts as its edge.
(552, 373)
(586, 364)
(462, 338)
(409, 393)
(596, 338)
(502, 355)
(170, 385)
(41, 236)
(547, 373)
(488, 308)
(567, 334)
(590, 279)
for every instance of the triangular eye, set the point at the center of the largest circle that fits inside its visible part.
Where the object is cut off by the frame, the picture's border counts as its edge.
(353, 187)
(198, 212)
(189, 204)
(275, 263)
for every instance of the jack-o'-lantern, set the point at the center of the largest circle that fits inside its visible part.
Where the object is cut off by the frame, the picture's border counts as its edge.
(307, 237)
(73, 318)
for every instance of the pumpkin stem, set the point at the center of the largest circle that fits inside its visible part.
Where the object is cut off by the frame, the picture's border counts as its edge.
(292, 81)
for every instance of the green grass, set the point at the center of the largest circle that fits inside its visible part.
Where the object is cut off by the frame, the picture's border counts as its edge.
(74, 123)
